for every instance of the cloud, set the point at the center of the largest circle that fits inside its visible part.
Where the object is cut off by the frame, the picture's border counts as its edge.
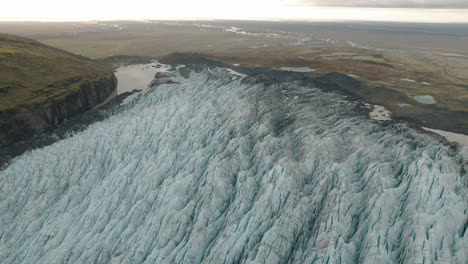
(445, 4)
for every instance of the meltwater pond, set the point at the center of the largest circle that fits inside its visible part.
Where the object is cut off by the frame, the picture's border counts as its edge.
(136, 78)
(217, 167)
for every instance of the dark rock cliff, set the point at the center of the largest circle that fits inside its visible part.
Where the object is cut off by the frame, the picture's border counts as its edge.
(38, 118)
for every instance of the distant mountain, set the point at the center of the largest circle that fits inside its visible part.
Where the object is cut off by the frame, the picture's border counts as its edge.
(41, 86)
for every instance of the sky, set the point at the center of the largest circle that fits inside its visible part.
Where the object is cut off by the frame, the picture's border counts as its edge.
(439, 11)
(444, 4)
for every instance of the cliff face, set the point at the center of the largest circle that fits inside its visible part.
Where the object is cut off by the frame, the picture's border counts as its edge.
(41, 86)
(37, 118)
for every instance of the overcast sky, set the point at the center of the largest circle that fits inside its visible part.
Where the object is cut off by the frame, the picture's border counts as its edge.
(444, 4)
(442, 11)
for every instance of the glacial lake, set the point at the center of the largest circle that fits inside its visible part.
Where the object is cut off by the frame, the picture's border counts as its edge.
(137, 77)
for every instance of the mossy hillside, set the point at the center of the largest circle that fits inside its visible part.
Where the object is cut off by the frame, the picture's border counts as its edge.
(34, 73)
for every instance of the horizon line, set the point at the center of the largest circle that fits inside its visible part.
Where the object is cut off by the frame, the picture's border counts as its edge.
(58, 20)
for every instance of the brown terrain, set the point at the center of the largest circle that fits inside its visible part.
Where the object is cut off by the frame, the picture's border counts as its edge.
(399, 62)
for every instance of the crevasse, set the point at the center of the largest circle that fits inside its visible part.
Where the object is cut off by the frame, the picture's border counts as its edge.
(222, 168)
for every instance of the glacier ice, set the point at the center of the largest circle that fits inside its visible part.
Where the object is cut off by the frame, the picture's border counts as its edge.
(217, 168)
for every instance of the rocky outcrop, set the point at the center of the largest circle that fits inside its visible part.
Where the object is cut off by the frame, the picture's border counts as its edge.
(17, 125)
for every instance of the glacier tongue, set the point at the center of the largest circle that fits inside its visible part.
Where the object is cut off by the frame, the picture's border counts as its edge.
(221, 168)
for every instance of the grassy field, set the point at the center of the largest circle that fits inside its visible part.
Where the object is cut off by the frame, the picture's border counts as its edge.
(101, 40)
(33, 73)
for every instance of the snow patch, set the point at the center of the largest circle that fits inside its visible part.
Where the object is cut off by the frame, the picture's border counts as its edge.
(234, 73)
(380, 113)
(425, 99)
(404, 105)
(353, 76)
(408, 80)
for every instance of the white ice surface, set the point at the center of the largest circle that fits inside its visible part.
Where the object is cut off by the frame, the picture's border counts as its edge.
(215, 169)
(454, 137)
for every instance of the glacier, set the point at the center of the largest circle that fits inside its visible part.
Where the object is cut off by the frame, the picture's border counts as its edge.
(214, 167)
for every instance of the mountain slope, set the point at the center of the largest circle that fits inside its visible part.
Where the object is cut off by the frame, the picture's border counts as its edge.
(40, 86)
